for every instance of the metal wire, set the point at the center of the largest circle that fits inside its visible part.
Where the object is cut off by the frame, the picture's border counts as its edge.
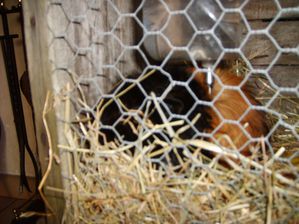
(93, 44)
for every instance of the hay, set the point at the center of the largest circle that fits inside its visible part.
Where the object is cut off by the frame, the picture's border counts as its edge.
(109, 185)
(284, 107)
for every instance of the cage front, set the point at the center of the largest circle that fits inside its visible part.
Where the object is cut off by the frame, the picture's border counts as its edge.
(178, 111)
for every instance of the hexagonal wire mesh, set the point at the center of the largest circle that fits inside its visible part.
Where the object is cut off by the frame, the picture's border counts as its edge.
(158, 133)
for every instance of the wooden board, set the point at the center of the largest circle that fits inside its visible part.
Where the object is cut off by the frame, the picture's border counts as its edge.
(286, 33)
(289, 3)
(267, 9)
(285, 76)
(37, 53)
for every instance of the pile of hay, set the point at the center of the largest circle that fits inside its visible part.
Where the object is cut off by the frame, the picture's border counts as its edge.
(109, 185)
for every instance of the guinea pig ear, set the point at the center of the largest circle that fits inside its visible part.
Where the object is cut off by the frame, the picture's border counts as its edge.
(175, 105)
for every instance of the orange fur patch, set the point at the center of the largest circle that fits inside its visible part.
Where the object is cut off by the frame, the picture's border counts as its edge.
(231, 105)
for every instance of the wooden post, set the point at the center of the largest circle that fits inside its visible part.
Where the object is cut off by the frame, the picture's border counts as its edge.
(36, 38)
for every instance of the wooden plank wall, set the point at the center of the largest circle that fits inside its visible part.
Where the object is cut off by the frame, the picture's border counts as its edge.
(285, 72)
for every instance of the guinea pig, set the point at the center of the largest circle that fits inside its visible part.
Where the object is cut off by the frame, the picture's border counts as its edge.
(184, 94)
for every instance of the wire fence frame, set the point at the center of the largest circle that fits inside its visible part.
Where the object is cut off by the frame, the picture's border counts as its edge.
(87, 42)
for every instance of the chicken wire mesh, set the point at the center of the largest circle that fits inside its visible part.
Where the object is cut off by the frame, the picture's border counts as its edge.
(113, 65)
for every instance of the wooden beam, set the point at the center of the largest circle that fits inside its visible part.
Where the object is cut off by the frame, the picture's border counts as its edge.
(36, 38)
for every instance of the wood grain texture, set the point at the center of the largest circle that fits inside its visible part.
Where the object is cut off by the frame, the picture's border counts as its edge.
(285, 76)
(289, 3)
(267, 9)
(285, 33)
(256, 9)
(40, 80)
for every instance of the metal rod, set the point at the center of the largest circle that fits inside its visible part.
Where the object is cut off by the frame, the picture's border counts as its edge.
(15, 95)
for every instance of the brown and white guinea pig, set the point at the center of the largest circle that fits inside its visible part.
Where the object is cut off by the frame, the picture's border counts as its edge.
(182, 96)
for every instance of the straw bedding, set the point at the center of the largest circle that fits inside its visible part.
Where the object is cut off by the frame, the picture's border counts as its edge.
(107, 184)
